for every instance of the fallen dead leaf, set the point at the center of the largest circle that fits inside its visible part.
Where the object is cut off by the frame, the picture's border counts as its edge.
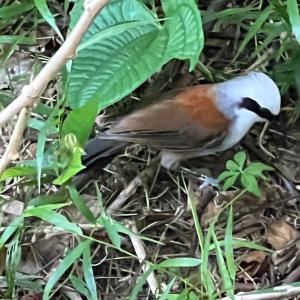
(211, 210)
(254, 263)
(280, 233)
(14, 207)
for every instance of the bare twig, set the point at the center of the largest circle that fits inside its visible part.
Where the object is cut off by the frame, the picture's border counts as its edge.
(280, 292)
(11, 152)
(133, 185)
(261, 140)
(141, 254)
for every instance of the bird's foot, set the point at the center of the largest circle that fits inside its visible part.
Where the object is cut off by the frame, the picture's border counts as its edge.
(205, 180)
(208, 181)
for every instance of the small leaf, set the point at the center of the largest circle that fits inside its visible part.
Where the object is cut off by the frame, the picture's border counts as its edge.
(179, 262)
(167, 290)
(53, 218)
(232, 166)
(17, 39)
(73, 168)
(65, 264)
(80, 204)
(18, 171)
(225, 175)
(108, 223)
(257, 168)
(238, 243)
(229, 182)
(80, 286)
(87, 113)
(10, 230)
(240, 158)
(42, 7)
(250, 183)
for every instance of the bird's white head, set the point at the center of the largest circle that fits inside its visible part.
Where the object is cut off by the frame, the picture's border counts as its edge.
(255, 92)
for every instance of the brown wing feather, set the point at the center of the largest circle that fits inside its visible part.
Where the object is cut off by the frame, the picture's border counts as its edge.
(186, 122)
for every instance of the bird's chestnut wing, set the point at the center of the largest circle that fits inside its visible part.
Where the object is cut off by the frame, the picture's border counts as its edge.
(187, 122)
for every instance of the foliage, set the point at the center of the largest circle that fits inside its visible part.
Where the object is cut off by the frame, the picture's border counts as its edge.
(248, 175)
(128, 43)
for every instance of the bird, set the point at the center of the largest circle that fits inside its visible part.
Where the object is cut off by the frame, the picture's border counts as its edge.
(195, 121)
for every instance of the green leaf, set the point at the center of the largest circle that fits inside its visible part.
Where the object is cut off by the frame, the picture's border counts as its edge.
(225, 174)
(167, 290)
(229, 246)
(80, 204)
(52, 217)
(48, 128)
(179, 262)
(256, 169)
(240, 158)
(65, 264)
(264, 15)
(199, 231)
(113, 66)
(73, 168)
(10, 230)
(9, 12)
(204, 267)
(139, 284)
(42, 7)
(16, 39)
(18, 171)
(87, 113)
(293, 12)
(239, 243)
(232, 166)
(80, 286)
(108, 223)
(250, 183)
(88, 273)
(47, 199)
(222, 268)
(123, 229)
(229, 182)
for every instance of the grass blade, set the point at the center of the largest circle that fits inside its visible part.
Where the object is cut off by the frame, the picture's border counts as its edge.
(44, 10)
(223, 268)
(204, 269)
(179, 262)
(80, 204)
(254, 29)
(53, 218)
(65, 264)
(88, 273)
(229, 246)
(294, 16)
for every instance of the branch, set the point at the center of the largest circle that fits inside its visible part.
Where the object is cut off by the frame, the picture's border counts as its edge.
(11, 152)
(30, 94)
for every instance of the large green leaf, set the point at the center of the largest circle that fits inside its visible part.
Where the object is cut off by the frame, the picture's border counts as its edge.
(117, 57)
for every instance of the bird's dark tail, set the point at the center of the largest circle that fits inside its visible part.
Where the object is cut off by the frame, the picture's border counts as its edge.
(99, 153)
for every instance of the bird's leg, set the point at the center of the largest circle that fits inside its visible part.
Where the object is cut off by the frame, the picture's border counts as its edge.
(205, 180)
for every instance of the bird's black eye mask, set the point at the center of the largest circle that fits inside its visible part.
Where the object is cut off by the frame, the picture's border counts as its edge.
(253, 106)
